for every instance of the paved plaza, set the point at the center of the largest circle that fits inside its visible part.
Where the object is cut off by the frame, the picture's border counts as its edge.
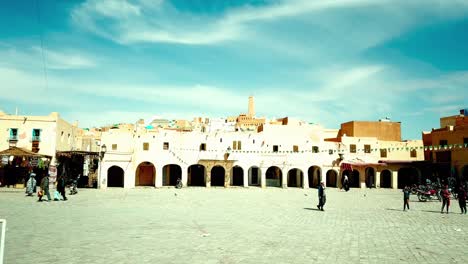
(235, 225)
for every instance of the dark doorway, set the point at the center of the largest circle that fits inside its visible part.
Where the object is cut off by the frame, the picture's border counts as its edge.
(217, 176)
(331, 178)
(295, 178)
(254, 176)
(386, 179)
(273, 177)
(314, 175)
(171, 173)
(196, 175)
(115, 177)
(145, 174)
(237, 176)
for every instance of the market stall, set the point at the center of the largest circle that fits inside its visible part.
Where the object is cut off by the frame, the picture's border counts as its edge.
(16, 163)
(78, 165)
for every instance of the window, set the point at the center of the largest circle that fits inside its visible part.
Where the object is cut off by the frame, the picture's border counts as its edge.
(413, 153)
(330, 151)
(114, 146)
(36, 135)
(295, 148)
(275, 148)
(253, 141)
(236, 145)
(221, 140)
(465, 141)
(203, 147)
(13, 134)
(166, 145)
(367, 149)
(315, 149)
(352, 148)
(443, 142)
(145, 146)
(383, 153)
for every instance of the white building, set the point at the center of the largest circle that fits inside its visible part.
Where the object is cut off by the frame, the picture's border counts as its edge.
(292, 155)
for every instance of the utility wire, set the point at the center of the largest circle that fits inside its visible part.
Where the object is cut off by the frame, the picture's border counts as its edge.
(44, 66)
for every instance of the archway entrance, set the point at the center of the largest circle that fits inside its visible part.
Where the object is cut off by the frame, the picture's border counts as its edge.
(354, 180)
(295, 178)
(217, 176)
(145, 174)
(237, 176)
(196, 175)
(386, 179)
(370, 177)
(315, 176)
(408, 176)
(332, 178)
(171, 173)
(254, 176)
(115, 177)
(273, 177)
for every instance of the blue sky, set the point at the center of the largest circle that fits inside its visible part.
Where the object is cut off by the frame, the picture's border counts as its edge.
(325, 62)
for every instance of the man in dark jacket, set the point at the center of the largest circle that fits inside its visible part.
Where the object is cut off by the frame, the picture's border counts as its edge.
(45, 188)
(321, 195)
(462, 199)
(61, 187)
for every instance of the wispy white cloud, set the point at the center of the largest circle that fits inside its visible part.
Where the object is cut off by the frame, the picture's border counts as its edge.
(161, 22)
(36, 57)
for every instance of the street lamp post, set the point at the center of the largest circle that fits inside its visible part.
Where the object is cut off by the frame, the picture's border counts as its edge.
(101, 157)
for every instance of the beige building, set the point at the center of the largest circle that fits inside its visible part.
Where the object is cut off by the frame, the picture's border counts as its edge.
(41, 134)
(447, 147)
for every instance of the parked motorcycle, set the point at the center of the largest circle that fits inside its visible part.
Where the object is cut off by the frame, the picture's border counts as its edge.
(427, 195)
(74, 187)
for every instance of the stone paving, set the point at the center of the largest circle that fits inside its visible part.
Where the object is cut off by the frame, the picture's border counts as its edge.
(235, 225)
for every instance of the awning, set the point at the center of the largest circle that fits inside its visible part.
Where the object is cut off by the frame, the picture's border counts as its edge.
(20, 152)
(349, 164)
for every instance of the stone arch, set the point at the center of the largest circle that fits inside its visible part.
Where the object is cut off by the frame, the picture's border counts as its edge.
(386, 179)
(354, 180)
(171, 173)
(314, 174)
(237, 176)
(218, 174)
(332, 178)
(145, 174)
(295, 178)
(115, 177)
(196, 175)
(370, 177)
(408, 176)
(255, 176)
(274, 177)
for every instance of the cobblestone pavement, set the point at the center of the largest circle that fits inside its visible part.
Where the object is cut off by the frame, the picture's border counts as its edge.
(198, 225)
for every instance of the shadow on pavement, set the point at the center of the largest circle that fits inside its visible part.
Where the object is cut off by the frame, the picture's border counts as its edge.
(391, 209)
(437, 212)
(312, 209)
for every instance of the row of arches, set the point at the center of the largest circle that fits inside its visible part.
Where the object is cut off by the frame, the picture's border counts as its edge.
(197, 176)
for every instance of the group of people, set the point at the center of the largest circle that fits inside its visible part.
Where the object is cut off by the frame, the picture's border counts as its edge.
(31, 185)
(445, 195)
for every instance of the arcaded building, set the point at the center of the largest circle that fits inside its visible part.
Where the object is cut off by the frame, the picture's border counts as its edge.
(286, 154)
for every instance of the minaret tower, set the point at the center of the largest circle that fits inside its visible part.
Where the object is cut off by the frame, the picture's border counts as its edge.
(251, 112)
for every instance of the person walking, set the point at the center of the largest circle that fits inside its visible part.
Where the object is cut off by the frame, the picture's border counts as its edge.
(61, 187)
(346, 183)
(462, 199)
(321, 196)
(31, 184)
(406, 196)
(45, 188)
(445, 193)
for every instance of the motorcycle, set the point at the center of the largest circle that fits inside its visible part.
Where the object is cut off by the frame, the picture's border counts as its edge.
(74, 187)
(179, 184)
(431, 194)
